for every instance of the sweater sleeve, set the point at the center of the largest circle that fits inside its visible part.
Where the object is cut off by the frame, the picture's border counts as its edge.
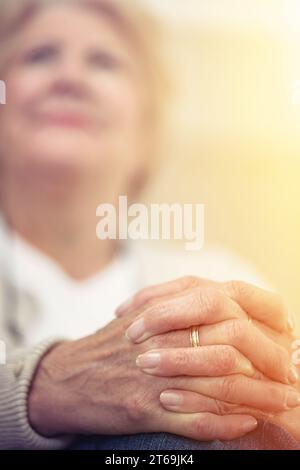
(16, 376)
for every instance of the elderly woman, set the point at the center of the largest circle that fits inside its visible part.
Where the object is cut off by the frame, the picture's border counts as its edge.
(79, 128)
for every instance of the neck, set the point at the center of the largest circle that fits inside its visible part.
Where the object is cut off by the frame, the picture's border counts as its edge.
(60, 223)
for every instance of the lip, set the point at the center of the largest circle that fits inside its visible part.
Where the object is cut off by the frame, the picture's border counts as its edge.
(66, 119)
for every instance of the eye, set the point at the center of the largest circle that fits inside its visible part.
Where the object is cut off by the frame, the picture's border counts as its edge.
(40, 54)
(104, 60)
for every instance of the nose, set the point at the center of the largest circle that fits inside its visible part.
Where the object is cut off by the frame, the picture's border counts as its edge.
(68, 87)
(69, 79)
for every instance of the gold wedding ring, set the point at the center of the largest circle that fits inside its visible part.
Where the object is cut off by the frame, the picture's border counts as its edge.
(194, 337)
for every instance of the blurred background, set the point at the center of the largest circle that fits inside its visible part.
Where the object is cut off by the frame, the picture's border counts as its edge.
(232, 140)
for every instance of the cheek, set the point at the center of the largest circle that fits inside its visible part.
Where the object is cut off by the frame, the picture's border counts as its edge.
(125, 134)
(122, 103)
(22, 87)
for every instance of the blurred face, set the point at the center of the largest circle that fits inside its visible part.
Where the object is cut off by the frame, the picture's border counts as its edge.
(74, 104)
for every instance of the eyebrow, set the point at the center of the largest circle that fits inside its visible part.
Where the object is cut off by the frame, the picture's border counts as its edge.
(94, 47)
(41, 44)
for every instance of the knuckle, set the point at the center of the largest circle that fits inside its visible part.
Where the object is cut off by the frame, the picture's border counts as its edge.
(278, 395)
(212, 300)
(279, 360)
(237, 331)
(223, 408)
(227, 388)
(136, 406)
(189, 282)
(181, 359)
(202, 425)
(225, 359)
(239, 287)
(159, 307)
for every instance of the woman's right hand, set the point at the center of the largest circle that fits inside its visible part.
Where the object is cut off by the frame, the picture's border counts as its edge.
(93, 386)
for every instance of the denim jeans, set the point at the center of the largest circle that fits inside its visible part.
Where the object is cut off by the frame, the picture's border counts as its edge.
(265, 437)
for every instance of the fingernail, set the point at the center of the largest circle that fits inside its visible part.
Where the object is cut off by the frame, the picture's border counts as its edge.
(293, 374)
(292, 399)
(123, 307)
(148, 360)
(291, 322)
(136, 331)
(171, 398)
(249, 425)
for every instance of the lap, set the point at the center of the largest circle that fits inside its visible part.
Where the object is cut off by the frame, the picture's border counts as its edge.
(265, 437)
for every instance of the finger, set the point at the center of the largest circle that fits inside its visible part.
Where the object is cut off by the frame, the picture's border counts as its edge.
(267, 356)
(267, 307)
(157, 291)
(183, 401)
(263, 305)
(208, 426)
(179, 339)
(284, 339)
(191, 307)
(241, 390)
(209, 361)
(171, 339)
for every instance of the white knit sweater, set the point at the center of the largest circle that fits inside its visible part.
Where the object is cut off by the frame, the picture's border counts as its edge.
(155, 266)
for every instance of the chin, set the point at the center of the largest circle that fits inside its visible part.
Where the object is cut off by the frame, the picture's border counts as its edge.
(50, 164)
(65, 149)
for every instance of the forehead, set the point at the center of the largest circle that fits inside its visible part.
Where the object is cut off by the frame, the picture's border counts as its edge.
(80, 25)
